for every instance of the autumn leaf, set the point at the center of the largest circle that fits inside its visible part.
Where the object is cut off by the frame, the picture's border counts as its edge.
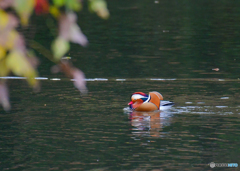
(7, 21)
(100, 7)
(6, 3)
(34, 62)
(4, 19)
(69, 30)
(76, 74)
(12, 39)
(73, 5)
(76, 35)
(20, 43)
(4, 70)
(8, 39)
(24, 9)
(65, 23)
(19, 64)
(31, 75)
(4, 97)
(59, 3)
(41, 7)
(54, 11)
(2, 52)
(59, 47)
(79, 80)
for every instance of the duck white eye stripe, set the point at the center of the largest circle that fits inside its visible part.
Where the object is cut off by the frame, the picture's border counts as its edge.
(137, 96)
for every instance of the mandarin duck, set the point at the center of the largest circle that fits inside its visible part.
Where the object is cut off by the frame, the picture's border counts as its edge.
(153, 101)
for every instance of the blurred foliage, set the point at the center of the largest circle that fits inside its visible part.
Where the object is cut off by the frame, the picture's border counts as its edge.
(15, 57)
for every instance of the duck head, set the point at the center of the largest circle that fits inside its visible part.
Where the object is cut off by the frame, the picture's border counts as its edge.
(137, 99)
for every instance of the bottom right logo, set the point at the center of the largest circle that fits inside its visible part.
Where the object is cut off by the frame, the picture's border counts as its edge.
(212, 164)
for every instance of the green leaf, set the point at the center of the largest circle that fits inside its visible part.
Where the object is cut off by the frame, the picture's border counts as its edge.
(59, 47)
(24, 9)
(17, 62)
(74, 5)
(54, 11)
(100, 7)
(59, 3)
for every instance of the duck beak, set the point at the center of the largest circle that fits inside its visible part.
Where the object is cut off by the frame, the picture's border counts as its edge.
(130, 103)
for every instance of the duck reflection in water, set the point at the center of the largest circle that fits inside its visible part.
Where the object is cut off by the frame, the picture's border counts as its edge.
(146, 113)
(149, 123)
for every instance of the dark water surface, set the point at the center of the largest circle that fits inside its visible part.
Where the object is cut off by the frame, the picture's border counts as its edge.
(57, 129)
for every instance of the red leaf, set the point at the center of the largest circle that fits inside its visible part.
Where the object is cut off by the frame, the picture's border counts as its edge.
(41, 7)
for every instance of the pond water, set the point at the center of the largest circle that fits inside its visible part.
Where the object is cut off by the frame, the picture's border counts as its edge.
(173, 47)
(58, 129)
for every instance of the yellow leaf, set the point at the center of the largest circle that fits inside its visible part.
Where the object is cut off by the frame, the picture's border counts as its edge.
(31, 77)
(24, 9)
(4, 19)
(12, 37)
(54, 11)
(17, 62)
(59, 47)
(20, 65)
(7, 21)
(2, 52)
(4, 70)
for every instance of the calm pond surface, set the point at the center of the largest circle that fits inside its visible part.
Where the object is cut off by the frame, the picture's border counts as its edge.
(59, 130)
(180, 42)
